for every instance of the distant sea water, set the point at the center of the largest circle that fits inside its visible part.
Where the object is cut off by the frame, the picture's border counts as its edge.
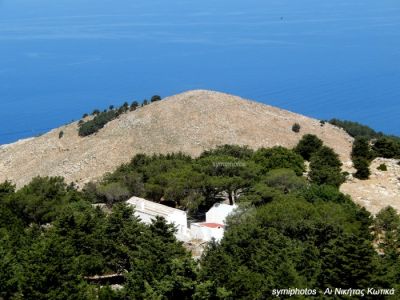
(322, 58)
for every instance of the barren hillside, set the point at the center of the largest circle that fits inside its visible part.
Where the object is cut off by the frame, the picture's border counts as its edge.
(189, 122)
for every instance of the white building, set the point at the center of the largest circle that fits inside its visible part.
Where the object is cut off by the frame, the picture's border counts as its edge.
(213, 227)
(207, 231)
(147, 211)
(219, 212)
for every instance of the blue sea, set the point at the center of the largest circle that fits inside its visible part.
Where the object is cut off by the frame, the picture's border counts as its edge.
(322, 58)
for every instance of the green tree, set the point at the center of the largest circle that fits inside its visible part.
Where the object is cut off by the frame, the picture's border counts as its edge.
(386, 147)
(348, 262)
(308, 145)
(112, 193)
(325, 167)
(362, 166)
(279, 158)
(6, 188)
(227, 174)
(361, 148)
(161, 268)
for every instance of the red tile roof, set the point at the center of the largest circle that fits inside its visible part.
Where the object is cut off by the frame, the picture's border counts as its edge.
(212, 225)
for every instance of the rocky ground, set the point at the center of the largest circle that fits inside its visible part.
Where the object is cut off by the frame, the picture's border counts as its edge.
(380, 190)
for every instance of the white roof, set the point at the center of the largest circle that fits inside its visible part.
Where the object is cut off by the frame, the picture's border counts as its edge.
(152, 208)
(222, 208)
(219, 212)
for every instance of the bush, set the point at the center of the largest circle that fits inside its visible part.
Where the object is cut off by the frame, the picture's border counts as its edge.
(279, 158)
(155, 98)
(361, 155)
(134, 105)
(386, 147)
(308, 145)
(325, 167)
(382, 167)
(112, 193)
(356, 129)
(61, 134)
(362, 167)
(98, 122)
(361, 148)
(296, 127)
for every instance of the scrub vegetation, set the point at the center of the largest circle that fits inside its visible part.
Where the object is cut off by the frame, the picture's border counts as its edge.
(100, 119)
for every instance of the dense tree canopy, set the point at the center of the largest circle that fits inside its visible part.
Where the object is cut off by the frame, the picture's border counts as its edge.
(289, 231)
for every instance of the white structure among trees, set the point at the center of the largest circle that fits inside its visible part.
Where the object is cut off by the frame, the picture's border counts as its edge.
(213, 227)
(147, 211)
(219, 212)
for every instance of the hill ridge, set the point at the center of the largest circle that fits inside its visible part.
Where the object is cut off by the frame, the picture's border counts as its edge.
(189, 122)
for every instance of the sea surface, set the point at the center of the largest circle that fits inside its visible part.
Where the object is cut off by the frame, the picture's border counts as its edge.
(322, 58)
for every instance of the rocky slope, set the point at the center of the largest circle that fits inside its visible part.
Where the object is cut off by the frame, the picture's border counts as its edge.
(189, 122)
(380, 190)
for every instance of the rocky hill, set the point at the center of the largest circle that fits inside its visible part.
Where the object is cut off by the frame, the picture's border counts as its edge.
(189, 122)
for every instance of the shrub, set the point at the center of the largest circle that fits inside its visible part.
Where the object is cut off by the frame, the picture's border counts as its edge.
(279, 158)
(61, 134)
(125, 106)
(322, 123)
(361, 148)
(382, 167)
(155, 98)
(113, 192)
(308, 145)
(361, 155)
(386, 147)
(85, 116)
(362, 167)
(296, 127)
(355, 129)
(134, 105)
(98, 122)
(325, 167)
